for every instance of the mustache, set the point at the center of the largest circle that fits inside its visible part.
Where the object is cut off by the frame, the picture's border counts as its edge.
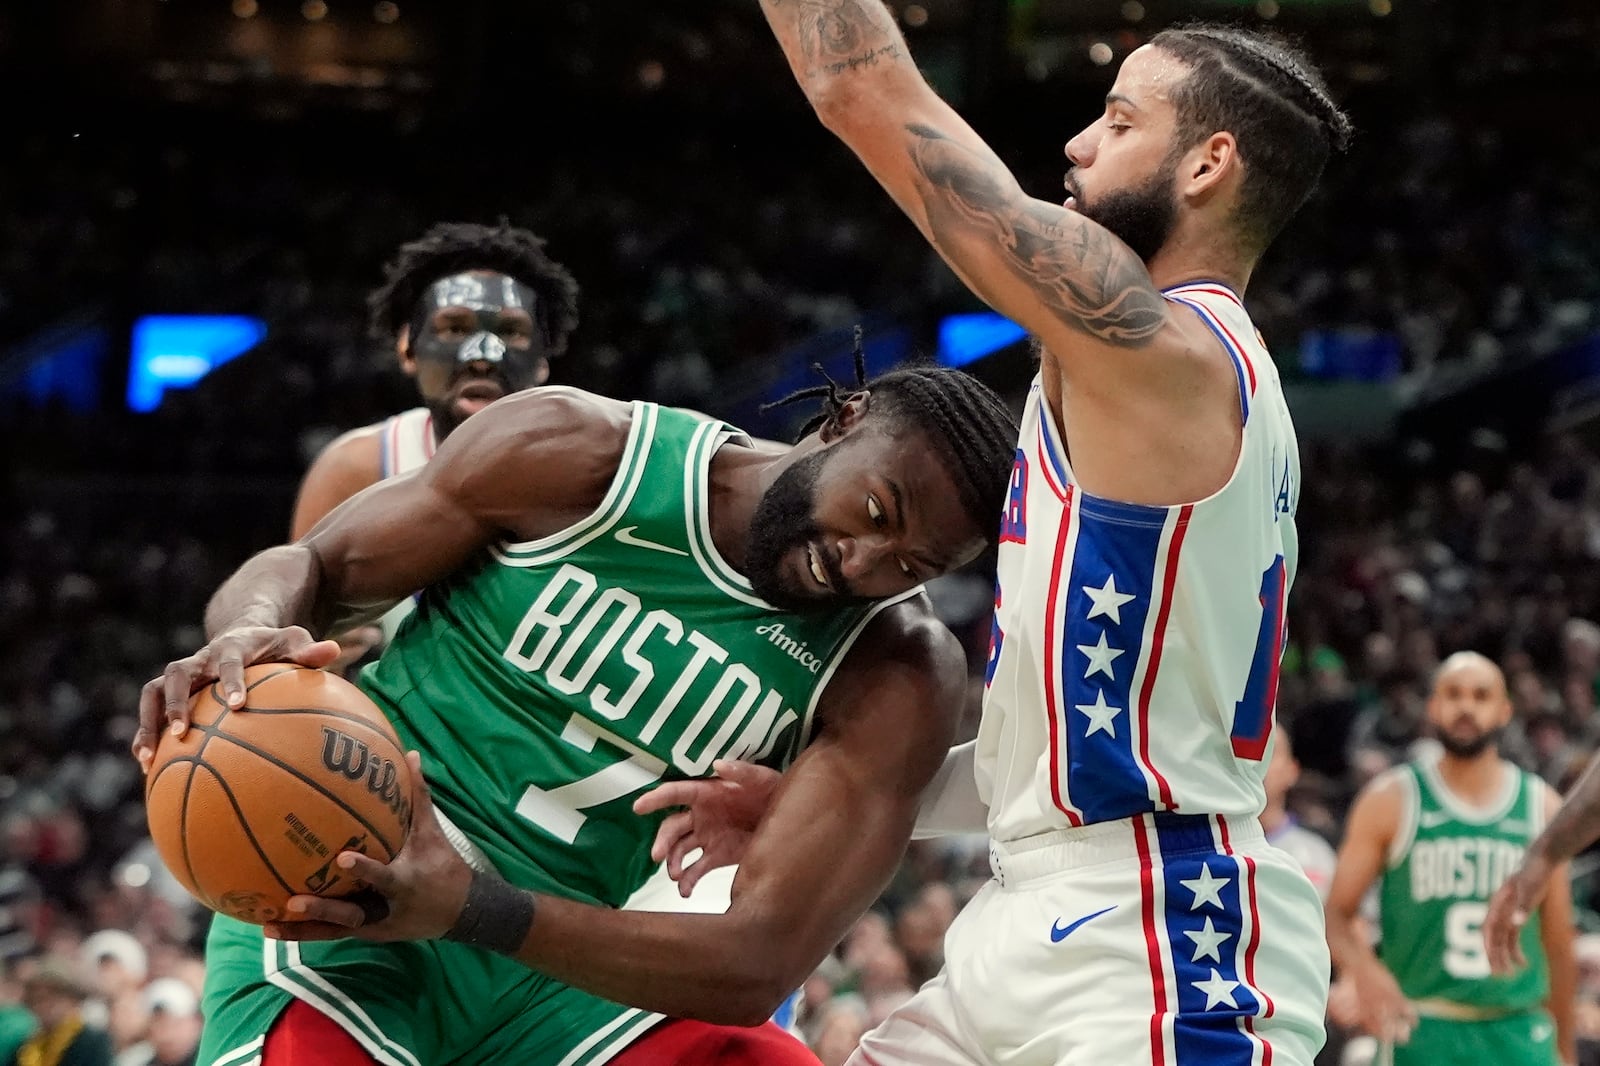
(829, 562)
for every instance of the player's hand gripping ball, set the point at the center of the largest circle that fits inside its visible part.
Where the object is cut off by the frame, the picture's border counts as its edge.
(253, 804)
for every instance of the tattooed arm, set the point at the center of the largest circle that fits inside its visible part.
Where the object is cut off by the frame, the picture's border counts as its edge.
(1067, 279)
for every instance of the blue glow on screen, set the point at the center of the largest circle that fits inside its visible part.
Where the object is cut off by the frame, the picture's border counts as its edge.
(175, 351)
(967, 338)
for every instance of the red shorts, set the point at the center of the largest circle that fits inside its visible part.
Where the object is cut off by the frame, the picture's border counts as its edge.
(304, 1035)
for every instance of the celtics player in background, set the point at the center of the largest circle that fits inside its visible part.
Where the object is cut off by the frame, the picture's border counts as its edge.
(616, 594)
(1439, 835)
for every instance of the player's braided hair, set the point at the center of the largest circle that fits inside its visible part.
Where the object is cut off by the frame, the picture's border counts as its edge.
(970, 426)
(452, 247)
(1262, 88)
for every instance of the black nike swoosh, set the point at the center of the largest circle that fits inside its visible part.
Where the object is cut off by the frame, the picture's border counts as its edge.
(1058, 934)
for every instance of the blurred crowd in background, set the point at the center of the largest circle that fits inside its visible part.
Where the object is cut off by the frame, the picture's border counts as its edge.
(1457, 232)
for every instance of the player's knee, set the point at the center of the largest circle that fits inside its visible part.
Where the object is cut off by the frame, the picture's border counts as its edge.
(303, 1036)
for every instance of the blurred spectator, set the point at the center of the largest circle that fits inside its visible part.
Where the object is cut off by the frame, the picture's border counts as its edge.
(840, 1027)
(1282, 827)
(173, 1035)
(55, 995)
(17, 1023)
(703, 252)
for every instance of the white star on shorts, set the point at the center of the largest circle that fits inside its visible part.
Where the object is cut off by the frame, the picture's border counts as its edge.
(1207, 941)
(1100, 657)
(1102, 716)
(1107, 600)
(1206, 888)
(1217, 990)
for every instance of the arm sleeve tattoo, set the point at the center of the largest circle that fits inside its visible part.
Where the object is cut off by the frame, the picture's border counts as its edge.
(1078, 269)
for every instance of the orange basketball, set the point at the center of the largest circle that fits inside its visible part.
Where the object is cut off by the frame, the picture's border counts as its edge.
(252, 806)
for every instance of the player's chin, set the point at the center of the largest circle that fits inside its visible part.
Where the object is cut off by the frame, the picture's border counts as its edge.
(464, 407)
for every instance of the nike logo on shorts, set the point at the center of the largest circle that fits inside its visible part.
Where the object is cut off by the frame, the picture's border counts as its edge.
(625, 536)
(1058, 934)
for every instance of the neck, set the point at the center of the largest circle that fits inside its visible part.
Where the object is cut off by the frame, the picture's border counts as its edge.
(739, 478)
(1189, 256)
(1477, 778)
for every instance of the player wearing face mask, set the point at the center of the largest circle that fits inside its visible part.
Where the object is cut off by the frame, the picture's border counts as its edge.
(474, 313)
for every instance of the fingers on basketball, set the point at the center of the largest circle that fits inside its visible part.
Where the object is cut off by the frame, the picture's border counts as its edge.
(253, 807)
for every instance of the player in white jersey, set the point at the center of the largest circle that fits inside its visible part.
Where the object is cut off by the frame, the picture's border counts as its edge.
(1137, 913)
(473, 312)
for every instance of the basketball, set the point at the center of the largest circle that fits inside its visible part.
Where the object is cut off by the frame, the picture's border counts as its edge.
(253, 805)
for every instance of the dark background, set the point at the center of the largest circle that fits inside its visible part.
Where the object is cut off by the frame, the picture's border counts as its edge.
(1433, 311)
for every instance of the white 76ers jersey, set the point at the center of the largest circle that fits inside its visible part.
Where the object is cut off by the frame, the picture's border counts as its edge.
(1133, 664)
(405, 442)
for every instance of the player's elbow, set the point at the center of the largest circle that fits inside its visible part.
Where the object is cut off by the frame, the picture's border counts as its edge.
(752, 986)
(744, 992)
(831, 100)
(847, 108)
(750, 1006)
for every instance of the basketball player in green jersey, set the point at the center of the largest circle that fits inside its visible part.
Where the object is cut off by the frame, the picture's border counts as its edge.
(617, 594)
(1439, 835)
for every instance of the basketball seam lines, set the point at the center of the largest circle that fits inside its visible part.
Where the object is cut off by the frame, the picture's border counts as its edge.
(188, 787)
(183, 820)
(351, 811)
(249, 835)
(323, 711)
(287, 667)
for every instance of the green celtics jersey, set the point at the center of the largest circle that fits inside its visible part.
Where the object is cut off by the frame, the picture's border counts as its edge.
(1446, 861)
(548, 683)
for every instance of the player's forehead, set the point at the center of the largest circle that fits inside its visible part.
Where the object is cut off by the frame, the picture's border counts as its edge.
(1146, 80)
(1470, 675)
(479, 290)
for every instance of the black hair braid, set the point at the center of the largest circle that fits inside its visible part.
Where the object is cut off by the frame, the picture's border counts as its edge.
(835, 399)
(966, 422)
(1264, 89)
(1314, 97)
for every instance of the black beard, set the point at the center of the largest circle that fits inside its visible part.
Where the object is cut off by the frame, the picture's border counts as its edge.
(445, 421)
(1469, 749)
(1142, 217)
(782, 522)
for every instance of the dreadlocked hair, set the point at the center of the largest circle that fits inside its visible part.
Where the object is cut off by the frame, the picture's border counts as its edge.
(969, 425)
(1262, 88)
(453, 247)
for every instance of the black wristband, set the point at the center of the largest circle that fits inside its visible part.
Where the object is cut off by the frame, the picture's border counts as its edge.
(496, 916)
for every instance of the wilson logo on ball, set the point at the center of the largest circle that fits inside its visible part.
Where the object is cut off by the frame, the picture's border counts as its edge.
(344, 754)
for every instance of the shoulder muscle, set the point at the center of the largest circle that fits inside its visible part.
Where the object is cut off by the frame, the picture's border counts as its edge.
(901, 691)
(343, 468)
(534, 462)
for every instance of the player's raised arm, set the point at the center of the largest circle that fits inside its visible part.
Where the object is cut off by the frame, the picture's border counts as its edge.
(1369, 832)
(530, 467)
(826, 849)
(1054, 271)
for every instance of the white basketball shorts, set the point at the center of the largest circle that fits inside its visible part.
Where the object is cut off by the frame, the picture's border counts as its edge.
(1172, 940)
